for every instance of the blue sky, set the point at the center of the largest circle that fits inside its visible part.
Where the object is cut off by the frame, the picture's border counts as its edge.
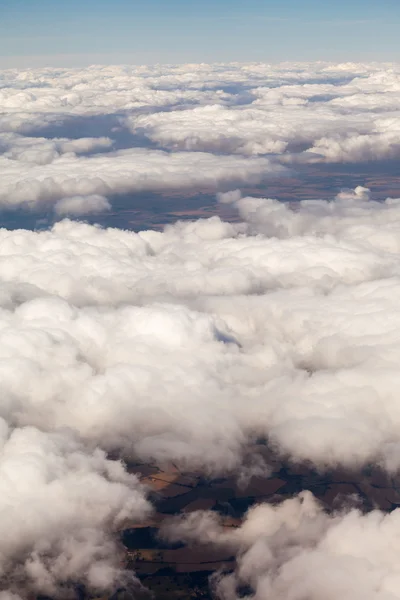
(79, 32)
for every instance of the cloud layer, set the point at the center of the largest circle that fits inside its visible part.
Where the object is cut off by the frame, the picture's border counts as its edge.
(283, 326)
(118, 130)
(188, 345)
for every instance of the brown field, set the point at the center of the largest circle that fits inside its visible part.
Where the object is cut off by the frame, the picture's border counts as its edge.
(157, 564)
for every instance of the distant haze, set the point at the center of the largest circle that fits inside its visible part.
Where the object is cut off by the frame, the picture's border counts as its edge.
(37, 33)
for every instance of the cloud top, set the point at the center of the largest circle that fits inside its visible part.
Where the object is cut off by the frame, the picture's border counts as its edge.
(282, 327)
(187, 127)
(188, 345)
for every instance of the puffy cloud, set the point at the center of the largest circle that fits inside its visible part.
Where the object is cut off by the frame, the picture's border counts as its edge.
(296, 550)
(187, 345)
(273, 128)
(250, 109)
(124, 171)
(212, 125)
(309, 119)
(282, 327)
(358, 148)
(58, 505)
(81, 205)
(41, 151)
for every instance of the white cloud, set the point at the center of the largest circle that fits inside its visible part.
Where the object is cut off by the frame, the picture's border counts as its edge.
(284, 327)
(223, 118)
(250, 109)
(250, 130)
(296, 550)
(81, 205)
(124, 171)
(186, 345)
(58, 504)
(41, 151)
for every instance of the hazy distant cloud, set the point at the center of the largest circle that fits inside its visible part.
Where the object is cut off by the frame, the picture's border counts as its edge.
(213, 125)
(343, 122)
(81, 205)
(124, 171)
(42, 151)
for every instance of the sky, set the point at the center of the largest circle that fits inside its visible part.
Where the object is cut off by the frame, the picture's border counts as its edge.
(36, 33)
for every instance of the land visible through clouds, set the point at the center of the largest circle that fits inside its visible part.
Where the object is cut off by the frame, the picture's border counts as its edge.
(175, 570)
(154, 211)
(199, 332)
(304, 183)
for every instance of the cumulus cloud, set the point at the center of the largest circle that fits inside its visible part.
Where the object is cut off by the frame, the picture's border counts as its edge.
(297, 550)
(185, 346)
(281, 327)
(212, 125)
(189, 344)
(311, 119)
(124, 171)
(41, 151)
(251, 130)
(81, 205)
(59, 505)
